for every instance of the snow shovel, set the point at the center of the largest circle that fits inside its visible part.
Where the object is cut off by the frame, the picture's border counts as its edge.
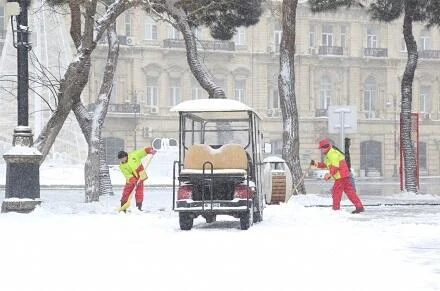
(127, 204)
(295, 188)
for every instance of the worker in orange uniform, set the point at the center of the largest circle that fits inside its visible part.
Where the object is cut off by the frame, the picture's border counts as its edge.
(334, 161)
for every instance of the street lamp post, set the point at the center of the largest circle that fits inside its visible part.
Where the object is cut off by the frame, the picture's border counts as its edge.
(22, 189)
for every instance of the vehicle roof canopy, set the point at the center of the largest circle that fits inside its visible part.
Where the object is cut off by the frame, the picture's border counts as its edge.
(213, 105)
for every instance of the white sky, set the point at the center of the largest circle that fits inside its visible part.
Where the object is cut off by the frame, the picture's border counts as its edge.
(66, 245)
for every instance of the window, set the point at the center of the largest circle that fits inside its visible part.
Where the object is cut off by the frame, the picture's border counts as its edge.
(174, 91)
(150, 29)
(371, 38)
(343, 36)
(128, 24)
(114, 92)
(274, 99)
(173, 33)
(424, 99)
(312, 36)
(2, 22)
(277, 34)
(425, 40)
(327, 35)
(240, 36)
(152, 91)
(403, 46)
(423, 156)
(370, 98)
(220, 81)
(197, 92)
(240, 90)
(325, 93)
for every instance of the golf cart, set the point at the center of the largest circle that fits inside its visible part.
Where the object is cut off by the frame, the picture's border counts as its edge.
(219, 171)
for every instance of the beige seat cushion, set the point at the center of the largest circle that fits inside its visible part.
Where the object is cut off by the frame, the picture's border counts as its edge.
(228, 156)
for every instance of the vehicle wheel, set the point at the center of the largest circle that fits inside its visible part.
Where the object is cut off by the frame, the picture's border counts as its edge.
(186, 221)
(211, 218)
(246, 219)
(258, 216)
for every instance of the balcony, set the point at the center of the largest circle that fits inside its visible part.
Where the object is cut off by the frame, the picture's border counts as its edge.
(331, 50)
(429, 54)
(124, 108)
(205, 44)
(375, 52)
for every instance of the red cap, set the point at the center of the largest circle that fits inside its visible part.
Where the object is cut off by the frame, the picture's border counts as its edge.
(323, 143)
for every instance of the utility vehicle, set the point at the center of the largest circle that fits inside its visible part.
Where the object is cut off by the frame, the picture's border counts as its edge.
(219, 171)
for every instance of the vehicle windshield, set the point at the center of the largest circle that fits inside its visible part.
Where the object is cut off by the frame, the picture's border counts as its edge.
(216, 131)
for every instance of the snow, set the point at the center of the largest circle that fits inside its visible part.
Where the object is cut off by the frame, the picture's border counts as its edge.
(66, 244)
(212, 105)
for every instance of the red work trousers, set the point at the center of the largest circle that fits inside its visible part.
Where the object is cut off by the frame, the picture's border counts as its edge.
(344, 185)
(139, 194)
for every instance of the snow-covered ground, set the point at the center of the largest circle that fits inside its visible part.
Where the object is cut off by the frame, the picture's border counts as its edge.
(67, 245)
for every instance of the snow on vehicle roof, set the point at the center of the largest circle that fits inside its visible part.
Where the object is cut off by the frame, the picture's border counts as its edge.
(212, 105)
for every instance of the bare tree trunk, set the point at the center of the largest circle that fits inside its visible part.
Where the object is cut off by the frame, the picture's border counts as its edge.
(286, 84)
(406, 91)
(105, 184)
(91, 124)
(73, 83)
(200, 73)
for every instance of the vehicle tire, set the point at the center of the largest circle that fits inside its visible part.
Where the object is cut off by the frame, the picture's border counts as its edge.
(210, 218)
(186, 221)
(258, 216)
(246, 219)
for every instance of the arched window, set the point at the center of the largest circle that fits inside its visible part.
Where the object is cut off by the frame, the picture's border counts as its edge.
(325, 92)
(240, 90)
(370, 98)
(152, 91)
(175, 88)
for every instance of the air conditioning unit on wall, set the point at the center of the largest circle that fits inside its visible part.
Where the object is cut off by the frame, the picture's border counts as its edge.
(154, 110)
(130, 40)
(273, 112)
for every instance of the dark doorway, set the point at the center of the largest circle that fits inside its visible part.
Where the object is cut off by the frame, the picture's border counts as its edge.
(371, 158)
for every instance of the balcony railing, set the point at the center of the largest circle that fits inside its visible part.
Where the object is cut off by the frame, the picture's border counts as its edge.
(206, 44)
(119, 108)
(429, 54)
(375, 52)
(331, 50)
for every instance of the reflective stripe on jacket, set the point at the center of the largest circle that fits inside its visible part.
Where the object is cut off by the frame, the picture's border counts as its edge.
(335, 162)
(133, 167)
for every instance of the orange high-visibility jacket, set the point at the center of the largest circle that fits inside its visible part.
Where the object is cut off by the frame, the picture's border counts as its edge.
(335, 161)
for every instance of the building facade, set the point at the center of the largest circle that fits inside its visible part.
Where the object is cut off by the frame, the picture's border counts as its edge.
(342, 58)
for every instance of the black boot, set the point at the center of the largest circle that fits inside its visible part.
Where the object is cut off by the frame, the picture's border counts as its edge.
(139, 205)
(358, 210)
